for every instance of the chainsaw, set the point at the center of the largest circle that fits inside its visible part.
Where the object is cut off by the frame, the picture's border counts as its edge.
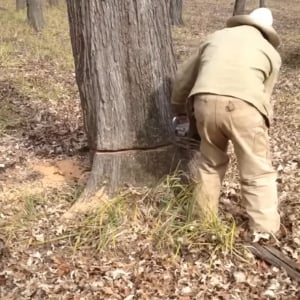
(181, 125)
(186, 135)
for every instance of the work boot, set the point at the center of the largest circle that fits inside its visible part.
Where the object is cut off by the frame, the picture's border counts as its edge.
(264, 238)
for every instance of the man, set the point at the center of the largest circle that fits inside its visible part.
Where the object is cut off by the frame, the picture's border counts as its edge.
(230, 80)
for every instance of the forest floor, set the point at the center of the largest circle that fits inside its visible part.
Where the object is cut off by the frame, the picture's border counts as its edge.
(136, 246)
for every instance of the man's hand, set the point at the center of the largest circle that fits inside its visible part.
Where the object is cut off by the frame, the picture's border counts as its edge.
(178, 109)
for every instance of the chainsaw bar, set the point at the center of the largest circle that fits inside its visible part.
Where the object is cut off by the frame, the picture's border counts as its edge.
(187, 143)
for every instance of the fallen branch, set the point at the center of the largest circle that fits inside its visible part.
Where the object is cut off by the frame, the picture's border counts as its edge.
(276, 258)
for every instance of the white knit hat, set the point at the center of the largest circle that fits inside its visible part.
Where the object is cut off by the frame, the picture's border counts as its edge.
(262, 19)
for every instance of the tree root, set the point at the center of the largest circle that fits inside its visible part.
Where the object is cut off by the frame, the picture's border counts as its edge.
(87, 203)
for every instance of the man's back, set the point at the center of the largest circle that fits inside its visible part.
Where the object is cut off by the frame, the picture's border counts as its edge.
(238, 62)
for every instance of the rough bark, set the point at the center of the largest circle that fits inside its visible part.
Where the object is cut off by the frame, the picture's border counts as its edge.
(176, 12)
(20, 4)
(35, 15)
(239, 7)
(124, 63)
(53, 2)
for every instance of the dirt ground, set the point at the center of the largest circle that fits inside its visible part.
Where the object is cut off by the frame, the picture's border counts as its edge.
(44, 164)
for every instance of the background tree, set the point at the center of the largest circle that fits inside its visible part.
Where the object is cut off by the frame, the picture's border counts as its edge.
(262, 3)
(176, 12)
(53, 2)
(239, 7)
(124, 63)
(35, 15)
(20, 4)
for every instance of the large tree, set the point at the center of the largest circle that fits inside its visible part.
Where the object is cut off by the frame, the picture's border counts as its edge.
(20, 4)
(262, 3)
(239, 6)
(176, 12)
(35, 15)
(124, 64)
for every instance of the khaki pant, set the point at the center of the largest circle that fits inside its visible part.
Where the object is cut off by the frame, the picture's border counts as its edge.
(220, 119)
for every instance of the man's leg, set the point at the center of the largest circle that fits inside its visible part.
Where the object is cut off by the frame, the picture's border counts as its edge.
(214, 159)
(249, 135)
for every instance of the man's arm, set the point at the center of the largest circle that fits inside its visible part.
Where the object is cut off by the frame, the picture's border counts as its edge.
(270, 82)
(183, 83)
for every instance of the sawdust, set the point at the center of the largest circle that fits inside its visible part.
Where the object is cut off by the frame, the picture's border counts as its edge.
(54, 173)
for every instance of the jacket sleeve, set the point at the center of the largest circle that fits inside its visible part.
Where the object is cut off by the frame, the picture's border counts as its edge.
(183, 83)
(272, 79)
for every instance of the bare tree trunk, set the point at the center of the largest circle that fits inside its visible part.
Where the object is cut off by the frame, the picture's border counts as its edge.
(124, 64)
(53, 2)
(262, 3)
(20, 4)
(239, 7)
(35, 14)
(176, 12)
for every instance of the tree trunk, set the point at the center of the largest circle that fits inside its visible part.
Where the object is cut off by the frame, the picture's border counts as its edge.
(262, 3)
(176, 12)
(35, 14)
(20, 4)
(53, 2)
(239, 7)
(124, 63)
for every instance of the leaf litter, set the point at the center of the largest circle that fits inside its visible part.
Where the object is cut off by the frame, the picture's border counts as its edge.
(43, 258)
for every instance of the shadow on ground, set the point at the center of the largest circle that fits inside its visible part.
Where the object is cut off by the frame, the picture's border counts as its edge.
(37, 127)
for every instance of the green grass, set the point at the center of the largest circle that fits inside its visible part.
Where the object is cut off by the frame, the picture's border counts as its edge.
(180, 224)
(36, 63)
(102, 228)
(294, 38)
(26, 212)
(166, 216)
(29, 206)
(8, 118)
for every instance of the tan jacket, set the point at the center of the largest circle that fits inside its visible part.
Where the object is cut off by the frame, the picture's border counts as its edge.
(237, 62)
